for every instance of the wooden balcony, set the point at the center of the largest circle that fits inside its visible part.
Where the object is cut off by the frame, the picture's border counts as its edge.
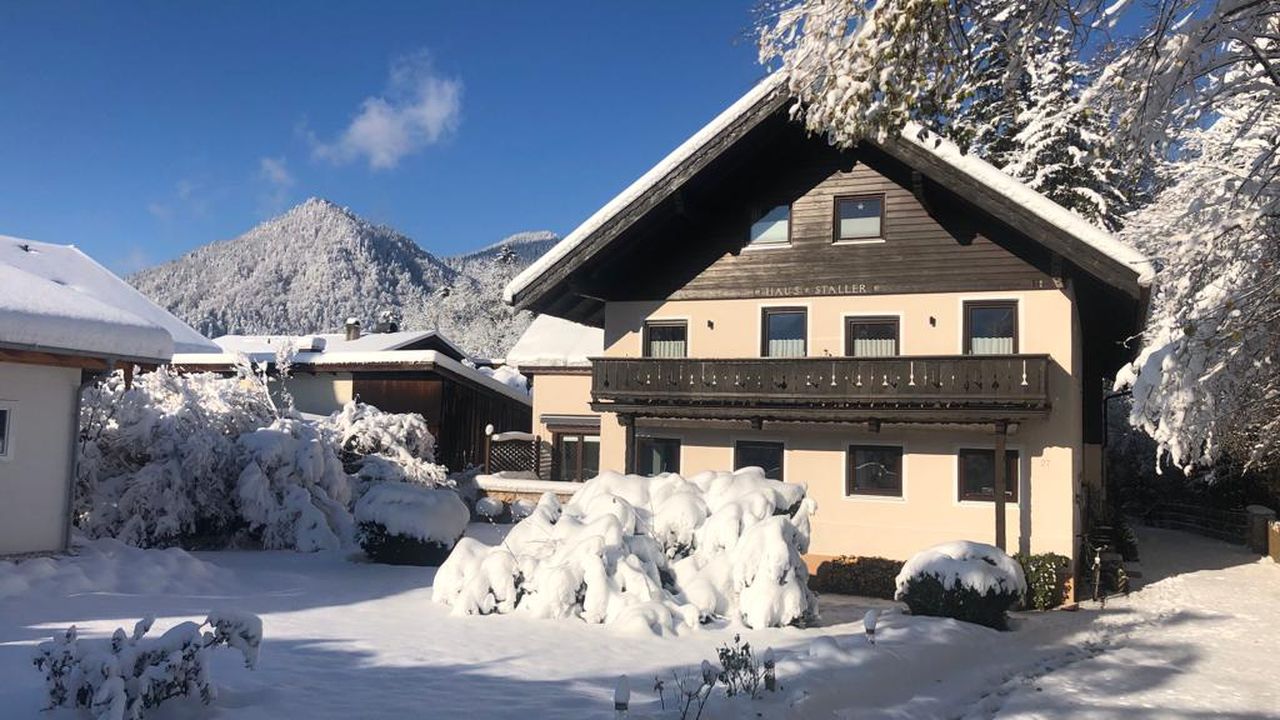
(947, 388)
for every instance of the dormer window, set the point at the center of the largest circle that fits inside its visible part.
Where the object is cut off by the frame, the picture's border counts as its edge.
(859, 218)
(773, 228)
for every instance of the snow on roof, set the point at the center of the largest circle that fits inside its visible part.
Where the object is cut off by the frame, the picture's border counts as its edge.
(338, 361)
(974, 167)
(41, 314)
(550, 341)
(1066, 220)
(331, 342)
(642, 185)
(71, 269)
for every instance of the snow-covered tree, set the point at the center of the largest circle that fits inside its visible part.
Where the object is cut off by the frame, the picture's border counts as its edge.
(1207, 376)
(860, 68)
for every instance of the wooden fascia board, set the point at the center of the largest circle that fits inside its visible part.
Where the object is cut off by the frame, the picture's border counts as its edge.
(647, 201)
(1084, 256)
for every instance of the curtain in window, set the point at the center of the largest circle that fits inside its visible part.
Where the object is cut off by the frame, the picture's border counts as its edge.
(786, 347)
(874, 347)
(992, 345)
(666, 348)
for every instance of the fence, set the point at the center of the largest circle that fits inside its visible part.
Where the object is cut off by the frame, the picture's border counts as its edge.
(511, 451)
(1229, 525)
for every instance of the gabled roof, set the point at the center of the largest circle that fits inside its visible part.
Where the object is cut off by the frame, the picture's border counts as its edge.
(54, 298)
(338, 342)
(1024, 209)
(550, 341)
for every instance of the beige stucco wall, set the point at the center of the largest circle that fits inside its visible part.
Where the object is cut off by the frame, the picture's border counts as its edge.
(320, 393)
(34, 477)
(931, 324)
(559, 394)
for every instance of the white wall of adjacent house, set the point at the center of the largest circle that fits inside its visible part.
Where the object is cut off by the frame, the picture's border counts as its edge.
(929, 510)
(36, 464)
(320, 393)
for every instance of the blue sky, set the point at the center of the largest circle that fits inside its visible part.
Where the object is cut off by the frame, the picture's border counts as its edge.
(139, 131)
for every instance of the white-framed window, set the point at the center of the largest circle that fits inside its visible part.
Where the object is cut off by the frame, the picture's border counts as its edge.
(6, 430)
(772, 228)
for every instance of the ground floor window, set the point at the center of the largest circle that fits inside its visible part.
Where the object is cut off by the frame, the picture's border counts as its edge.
(657, 455)
(5, 415)
(977, 475)
(577, 457)
(874, 470)
(767, 455)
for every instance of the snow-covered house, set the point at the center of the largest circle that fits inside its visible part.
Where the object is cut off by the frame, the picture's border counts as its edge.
(64, 319)
(919, 338)
(397, 371)
(554, 354)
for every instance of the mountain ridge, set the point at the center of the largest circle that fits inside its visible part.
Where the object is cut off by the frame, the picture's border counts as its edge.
(308, 269)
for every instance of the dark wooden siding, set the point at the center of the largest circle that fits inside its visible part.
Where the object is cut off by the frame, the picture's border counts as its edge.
(456, 412)
(952, 249)
(692, 247)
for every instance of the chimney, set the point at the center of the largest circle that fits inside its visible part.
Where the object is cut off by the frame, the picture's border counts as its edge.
(353, 328)
(387, 322)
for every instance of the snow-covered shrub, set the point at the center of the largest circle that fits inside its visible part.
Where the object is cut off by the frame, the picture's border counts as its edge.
(378, 446)
(968, 581)
(490, 508)
(1046, 575)
(292, 490)
(409, 524)
(121, 676)
(865, 576)
(648, 554)
(158, 461)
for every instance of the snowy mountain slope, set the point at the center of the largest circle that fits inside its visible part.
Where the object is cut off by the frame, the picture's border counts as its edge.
(309, 269)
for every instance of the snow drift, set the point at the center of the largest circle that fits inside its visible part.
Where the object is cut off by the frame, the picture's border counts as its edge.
(650, 555)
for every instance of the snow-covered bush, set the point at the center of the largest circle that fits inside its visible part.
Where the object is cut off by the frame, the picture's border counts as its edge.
(292, 490)
(121, 676)
(379, 446)
(968, 581)
(158, 461)
(1046, 575)
(648, 554)
(865, 576)
(490, 508)
(409, 524)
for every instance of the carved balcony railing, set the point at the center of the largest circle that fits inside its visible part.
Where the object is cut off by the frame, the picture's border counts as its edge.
(949, 388)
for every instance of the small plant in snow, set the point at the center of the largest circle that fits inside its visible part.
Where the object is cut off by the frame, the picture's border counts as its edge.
(968, 581)
(741, 672)
(120, 677)
(691, 692)
(409, 524)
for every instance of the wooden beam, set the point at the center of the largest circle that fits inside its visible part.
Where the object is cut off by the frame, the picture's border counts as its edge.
(31, 357)
(1001, 482)
(629, 426)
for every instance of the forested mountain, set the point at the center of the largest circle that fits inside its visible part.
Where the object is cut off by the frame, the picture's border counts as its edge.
(314, 266)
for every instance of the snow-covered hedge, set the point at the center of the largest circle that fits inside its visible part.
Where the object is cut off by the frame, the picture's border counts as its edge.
(406, 523)
(210, 461)
(292, 491)
(964, 580)
(121, 676)
(654, 555)
(377, 446)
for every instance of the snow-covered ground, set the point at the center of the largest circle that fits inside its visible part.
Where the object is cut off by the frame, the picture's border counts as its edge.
(348, 639)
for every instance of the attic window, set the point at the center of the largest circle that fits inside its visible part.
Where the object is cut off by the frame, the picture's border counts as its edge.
(773, 228)
(859, 218)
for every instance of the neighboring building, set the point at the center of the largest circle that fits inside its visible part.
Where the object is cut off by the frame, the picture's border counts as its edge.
(396, 371)
(919, 338)
(64, 320)
(554, 354)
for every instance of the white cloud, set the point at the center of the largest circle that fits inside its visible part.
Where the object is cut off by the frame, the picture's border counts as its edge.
(133, 261)
(274, 171)
(418, 109)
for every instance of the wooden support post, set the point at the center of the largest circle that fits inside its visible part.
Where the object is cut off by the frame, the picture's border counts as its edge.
(128, 376)
(1001, 481)
(629, 425)
(488, 439)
